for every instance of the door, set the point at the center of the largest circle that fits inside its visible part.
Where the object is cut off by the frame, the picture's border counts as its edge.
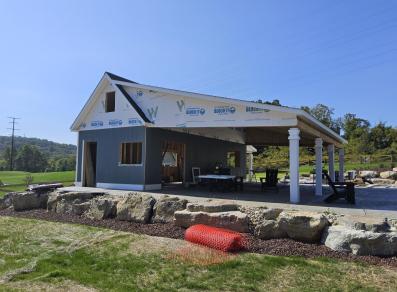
(173, 162)
(89, 164)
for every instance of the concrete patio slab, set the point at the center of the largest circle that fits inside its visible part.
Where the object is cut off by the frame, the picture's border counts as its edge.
(373, 203)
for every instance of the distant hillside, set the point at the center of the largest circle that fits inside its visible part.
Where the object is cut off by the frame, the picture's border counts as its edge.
(49, 148)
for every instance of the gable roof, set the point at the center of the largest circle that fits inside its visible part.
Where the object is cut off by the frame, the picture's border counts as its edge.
(107, 77)
(297, 111)
(121, 81)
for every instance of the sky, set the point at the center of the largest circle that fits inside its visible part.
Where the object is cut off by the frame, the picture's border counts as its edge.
(53, 53)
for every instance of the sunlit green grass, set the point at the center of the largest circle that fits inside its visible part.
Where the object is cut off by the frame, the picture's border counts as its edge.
(14, 180)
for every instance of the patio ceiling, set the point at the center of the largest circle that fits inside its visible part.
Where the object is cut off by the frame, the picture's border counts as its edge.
(278, 136)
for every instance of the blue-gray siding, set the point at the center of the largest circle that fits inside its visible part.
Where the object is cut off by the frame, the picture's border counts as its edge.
(200, 152)
(108, 154)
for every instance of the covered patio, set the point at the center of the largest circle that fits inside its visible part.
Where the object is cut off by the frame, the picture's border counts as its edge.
(307, 132)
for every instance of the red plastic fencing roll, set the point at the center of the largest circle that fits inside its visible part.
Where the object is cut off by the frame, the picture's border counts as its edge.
(217, 238)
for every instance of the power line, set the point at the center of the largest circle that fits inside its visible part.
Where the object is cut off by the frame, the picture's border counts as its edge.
(13, 122)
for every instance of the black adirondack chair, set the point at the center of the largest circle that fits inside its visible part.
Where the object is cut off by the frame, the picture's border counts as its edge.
(341, 190)
(271, 179)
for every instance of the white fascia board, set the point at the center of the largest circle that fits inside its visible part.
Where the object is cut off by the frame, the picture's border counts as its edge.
(291, 122)
(329, 131)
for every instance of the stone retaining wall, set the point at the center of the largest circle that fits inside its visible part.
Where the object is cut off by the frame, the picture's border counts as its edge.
(265, 223)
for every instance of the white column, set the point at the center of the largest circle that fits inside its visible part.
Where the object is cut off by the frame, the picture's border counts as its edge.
(294, 164)
(341, 164)
(331, 161)
(251, 166)
(319, 166)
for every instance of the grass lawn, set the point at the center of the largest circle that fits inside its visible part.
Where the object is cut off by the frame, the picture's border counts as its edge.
(14, 180)
(39, 255)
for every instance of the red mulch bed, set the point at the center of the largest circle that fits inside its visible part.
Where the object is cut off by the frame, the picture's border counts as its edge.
(278, 247)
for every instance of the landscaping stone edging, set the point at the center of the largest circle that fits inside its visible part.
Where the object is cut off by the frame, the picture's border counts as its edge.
(264, 223)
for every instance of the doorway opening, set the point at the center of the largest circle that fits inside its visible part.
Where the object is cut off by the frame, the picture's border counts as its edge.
(173, 162)
(89, 164)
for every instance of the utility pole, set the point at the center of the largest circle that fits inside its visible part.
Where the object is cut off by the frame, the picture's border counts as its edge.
(13, 122)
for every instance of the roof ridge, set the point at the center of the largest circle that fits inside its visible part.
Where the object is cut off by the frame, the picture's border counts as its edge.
(119, 78)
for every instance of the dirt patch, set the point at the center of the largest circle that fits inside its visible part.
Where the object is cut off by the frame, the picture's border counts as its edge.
(279, 247)
(201, 256)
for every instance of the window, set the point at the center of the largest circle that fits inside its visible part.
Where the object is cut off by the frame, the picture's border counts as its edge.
(131, 153)
(170, 159)
(110, 102)
(233, 159)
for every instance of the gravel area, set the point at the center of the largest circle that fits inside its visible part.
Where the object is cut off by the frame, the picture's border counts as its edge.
(278, 247)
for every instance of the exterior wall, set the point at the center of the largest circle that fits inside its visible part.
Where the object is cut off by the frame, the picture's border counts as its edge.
(200, 152)
(108, 155)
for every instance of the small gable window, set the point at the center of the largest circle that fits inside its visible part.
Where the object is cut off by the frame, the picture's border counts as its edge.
(110, 102)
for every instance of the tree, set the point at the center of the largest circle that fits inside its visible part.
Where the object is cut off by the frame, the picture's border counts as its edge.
(62, 163)
(354, 127)
(6, 155)
(381, 136)
(29, 158)
(325, 115)
(356, 131)
(274, 102)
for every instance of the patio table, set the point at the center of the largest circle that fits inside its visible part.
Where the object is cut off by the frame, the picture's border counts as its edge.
(216, 180)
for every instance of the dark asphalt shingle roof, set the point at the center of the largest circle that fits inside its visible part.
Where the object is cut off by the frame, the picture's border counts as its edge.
(119, 78)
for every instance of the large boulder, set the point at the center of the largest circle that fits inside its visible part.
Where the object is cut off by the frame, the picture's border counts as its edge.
(63, 201)
(136, 208)
(212, 206)
(368, 173)
(6, 201)
(389, 175)
(234, 220)
(360, 242)
(383, 181)
(257, 215)
(74, 207)
(29, 200)
(269, 229)
(165, 207)
(102, 208)
(302, 225)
